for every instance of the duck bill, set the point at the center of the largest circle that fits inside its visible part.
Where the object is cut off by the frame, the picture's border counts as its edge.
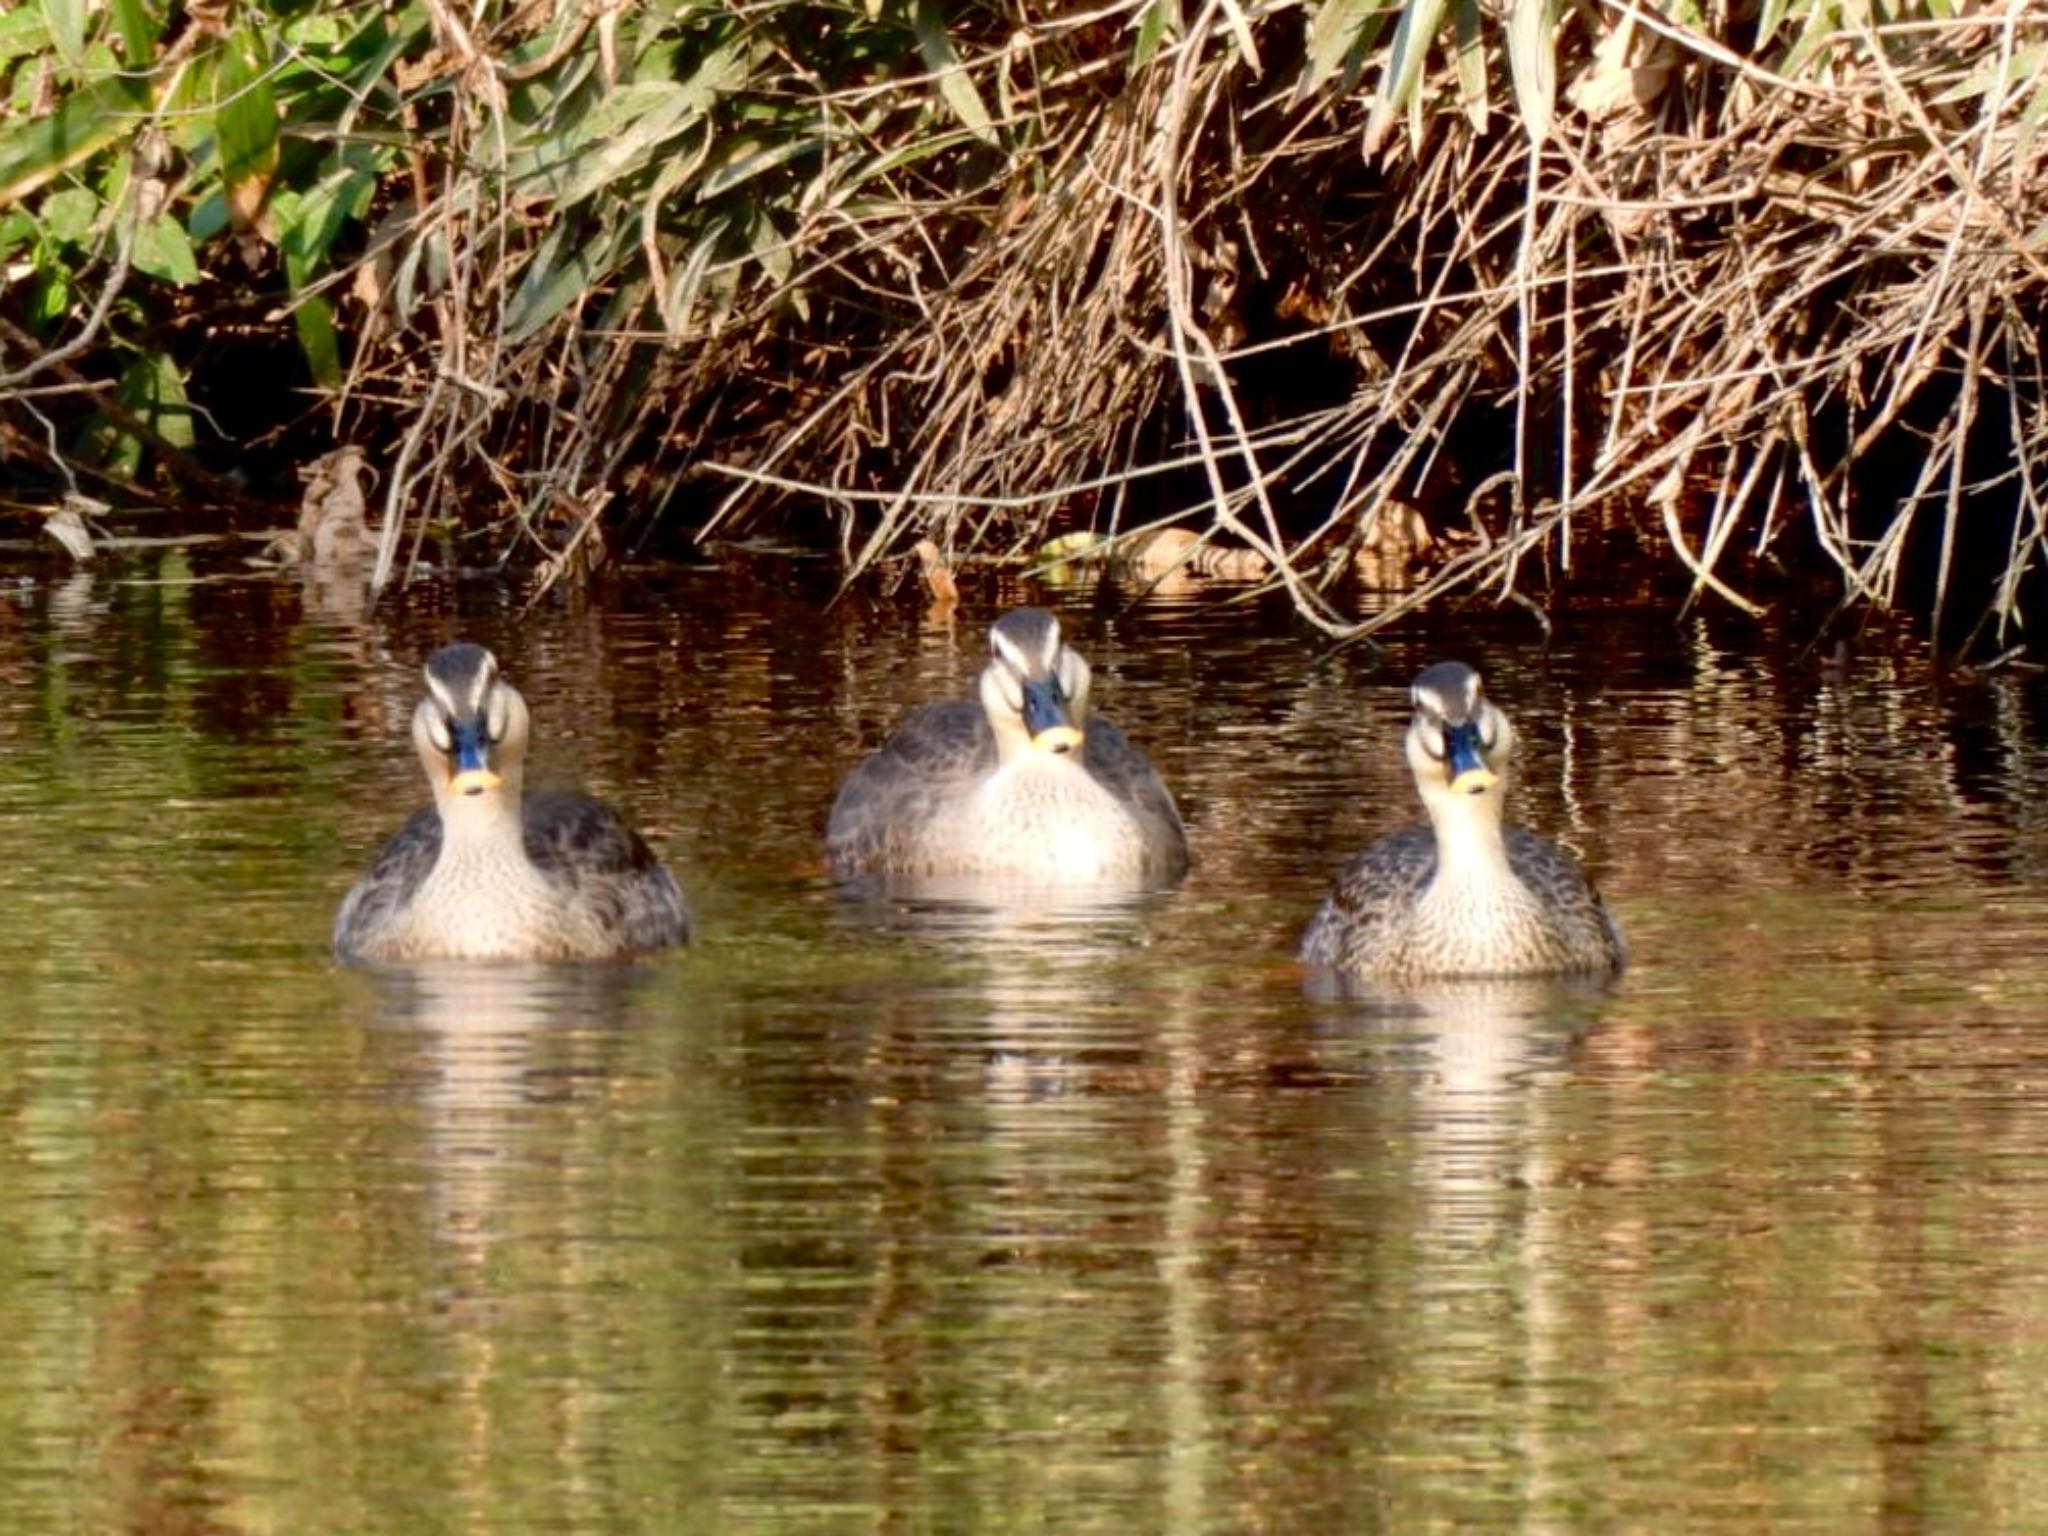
(473, 773)
(1465, 763)
(1048, 719)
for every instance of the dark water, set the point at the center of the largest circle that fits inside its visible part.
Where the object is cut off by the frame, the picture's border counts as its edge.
(936, 1218)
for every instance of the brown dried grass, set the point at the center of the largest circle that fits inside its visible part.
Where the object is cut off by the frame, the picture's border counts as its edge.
(1709, 299)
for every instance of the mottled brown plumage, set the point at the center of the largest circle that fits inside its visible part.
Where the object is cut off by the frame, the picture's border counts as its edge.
(488, 872)
(1466, 895)
(1023, 782)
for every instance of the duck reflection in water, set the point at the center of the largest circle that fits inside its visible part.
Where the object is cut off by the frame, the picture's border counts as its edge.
(1469, 894)
(1020, 785)
(488, 872)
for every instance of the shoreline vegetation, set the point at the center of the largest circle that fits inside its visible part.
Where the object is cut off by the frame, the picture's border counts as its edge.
(1443, 297)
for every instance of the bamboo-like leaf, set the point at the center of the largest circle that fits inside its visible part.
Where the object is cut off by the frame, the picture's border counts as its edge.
(771, 248)
(685, 284)
(2036, 110)
(622, 132)
(1153, 24)
(749, 159)
(2025, 64)
(245, 123)
(138, 29)
(85, 122)
(1772, 16)
(153, 389)
(556, 280)
(943, 60)
(1339, 36)
(1822, 23)
(309, 224)
(66, 19)
(851, 181)
(1472, 88)
(313, 319)
(1532, 64)
(1405, 58)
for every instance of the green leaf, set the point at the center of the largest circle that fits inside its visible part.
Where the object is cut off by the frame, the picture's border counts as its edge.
(16, 230)
(1472, 84)
(313, 318)
(153, 390)
(245, 121)
(555, 280)
(1822, 23)
(50, 300)
(69, 215)
(308, 224)
(956, 86)
(1153, 26)
(687, 282)
(209, 216)
(2025, 64)
(139, 31)
(770, 248)
(620, 134)
(163, 250)
(1532, 63)
(23, 34)
(2036, 109)
(85, 122)
(1405, 58)
(66, 20)
(315, 31)
(1339, 37)
(747, 159)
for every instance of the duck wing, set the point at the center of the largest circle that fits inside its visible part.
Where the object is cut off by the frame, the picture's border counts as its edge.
(395, 876)
(1563, 889)
(586, 849)
(1365, 914)
(1126, 772)
(933, 757)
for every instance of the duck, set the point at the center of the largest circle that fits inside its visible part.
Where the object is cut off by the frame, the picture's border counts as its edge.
(490, 872)
(1023, 782)
(1471, 893)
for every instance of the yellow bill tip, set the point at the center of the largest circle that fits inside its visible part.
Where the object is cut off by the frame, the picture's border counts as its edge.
(1474, 781)
(474, 781)
(1058, 738)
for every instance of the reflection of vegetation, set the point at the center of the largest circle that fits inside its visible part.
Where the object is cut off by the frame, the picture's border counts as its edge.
(828, 1225)
(947, 267)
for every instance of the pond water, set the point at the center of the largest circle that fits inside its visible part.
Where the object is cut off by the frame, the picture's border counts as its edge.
(860, 1217)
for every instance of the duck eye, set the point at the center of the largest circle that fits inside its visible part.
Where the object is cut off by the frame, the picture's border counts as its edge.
(497, 717)
(1435, 742)
(438, 732)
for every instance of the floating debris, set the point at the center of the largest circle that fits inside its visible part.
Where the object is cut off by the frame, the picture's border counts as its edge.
(67, 524)
(334, 531)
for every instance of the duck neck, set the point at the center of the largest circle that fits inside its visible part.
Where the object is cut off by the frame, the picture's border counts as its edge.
(487, 825)
(1470, 843)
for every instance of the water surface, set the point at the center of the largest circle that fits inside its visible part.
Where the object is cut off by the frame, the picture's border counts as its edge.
(864, 1216)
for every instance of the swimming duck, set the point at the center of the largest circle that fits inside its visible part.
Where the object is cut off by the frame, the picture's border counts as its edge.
(489, 873)
(1468, 895)
(1022, 782)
